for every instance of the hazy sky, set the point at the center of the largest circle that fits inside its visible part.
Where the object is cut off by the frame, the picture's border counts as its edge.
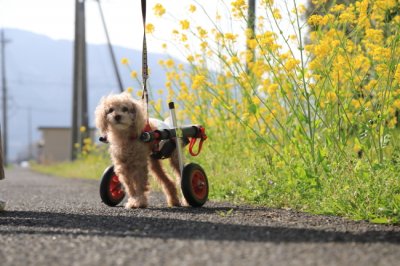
(55, 18)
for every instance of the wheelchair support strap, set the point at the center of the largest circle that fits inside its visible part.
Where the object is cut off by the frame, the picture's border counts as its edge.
(202, 136)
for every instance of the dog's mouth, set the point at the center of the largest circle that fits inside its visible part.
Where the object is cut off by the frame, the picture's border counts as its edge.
(118, 123)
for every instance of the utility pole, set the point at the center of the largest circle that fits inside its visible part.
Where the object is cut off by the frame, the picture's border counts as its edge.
(79, 97)
(30, 141)
(251, 18)
(3, 42)
(110, 48)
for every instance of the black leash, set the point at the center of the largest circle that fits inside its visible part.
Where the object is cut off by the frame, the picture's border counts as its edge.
(145, 72)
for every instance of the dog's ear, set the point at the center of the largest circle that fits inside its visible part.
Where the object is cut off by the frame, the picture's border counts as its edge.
(100, 114)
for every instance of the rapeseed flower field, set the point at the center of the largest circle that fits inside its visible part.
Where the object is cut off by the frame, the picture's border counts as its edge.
(301, 113)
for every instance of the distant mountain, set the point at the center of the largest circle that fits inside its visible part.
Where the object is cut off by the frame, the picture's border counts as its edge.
(39, 79)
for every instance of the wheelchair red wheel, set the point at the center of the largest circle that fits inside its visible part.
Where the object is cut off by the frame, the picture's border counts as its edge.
(111, 191)
(194, 185)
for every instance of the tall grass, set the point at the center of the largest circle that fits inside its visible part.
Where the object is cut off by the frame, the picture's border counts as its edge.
(307, 108)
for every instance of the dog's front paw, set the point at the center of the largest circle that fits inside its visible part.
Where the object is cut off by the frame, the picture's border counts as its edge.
(174, 202)
(136, 202)
(184, 202)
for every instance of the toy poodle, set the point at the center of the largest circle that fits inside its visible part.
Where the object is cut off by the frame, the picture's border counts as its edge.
(122, 120)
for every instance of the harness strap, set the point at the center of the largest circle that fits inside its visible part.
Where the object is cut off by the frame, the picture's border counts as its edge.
(145, 72)
(202, 136)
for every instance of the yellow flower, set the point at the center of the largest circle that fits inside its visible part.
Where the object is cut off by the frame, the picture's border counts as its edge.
(202, 32)
(323, 49)
(230, 36)
(392, 111)
(337, 8)
(82, 129)
(331, 96)
(249, 33)
(272, 88)
(315, 20)
(190, 58)
(198, 81)
(396, 103)
(235, 60)
(291, 64)
(203, 45)
(238, 8)
(168, 85)
(347, 16)
(396, 92)
(356, 103)
(386, 4)
(397, 74)
(280, 164)
(170, 63)
(129, 90)
(392, 122)
(318, 2)
(192, 8)
(164, 46)
(252, 44)
(87, 141)
(277, 14)
(256, 100)
(124, 61)
(357, 146)
(133, 74)
(184, 38)
(184, 24)
(149, 28)
(159, 10)
(301, 8)
(374, 35)
(215, 103)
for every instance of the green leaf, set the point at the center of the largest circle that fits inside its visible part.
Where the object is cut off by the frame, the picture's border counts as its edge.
(380, 220)
(253, 108)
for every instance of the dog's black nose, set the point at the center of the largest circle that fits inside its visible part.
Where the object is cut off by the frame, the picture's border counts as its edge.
(117, 118)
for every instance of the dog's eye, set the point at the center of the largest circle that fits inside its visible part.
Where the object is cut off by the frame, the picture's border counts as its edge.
(110, 110)
(124, 109)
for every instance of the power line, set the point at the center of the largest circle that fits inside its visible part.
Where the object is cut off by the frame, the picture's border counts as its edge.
(110, 48)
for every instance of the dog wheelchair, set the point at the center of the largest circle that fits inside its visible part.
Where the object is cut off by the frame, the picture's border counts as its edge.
(194, 182)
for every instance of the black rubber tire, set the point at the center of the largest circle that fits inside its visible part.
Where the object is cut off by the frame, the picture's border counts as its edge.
(105, 193)
(194, 185)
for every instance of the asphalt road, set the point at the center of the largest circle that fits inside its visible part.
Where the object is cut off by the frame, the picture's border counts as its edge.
(56, 221)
